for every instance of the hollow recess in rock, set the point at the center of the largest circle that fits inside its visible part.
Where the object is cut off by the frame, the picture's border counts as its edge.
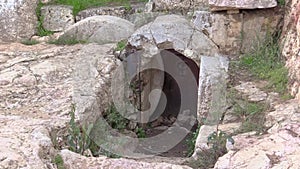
(176, 76)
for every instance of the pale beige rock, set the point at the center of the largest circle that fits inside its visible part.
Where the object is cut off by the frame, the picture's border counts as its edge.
(57, 17)
(230, 127)
(278, 149)
(173, 31)
(75, 161)
(254, 93)
(291, 45)
(100, 29)
(238, 32)
(283, 114)
(218, 5)
(161, 5)
(257, 24)
(224, 30)
(17, 19)
(39, 89)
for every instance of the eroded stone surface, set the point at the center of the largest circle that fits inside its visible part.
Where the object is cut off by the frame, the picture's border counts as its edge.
(217, 5)
(182, 6)
(252, 91)
(211, 97)
(277, 149)
(75, 161)
(291, 45)
(270, 151)
(17, 19)
(173, 32)
(118, 11)
(240, 32)
(100, 29)
(38, 85)
(57, 17)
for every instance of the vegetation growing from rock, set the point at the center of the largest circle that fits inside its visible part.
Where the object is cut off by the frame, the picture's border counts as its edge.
(79, 136)
(265, 62)
(115, 119)
(208, 157)
(121, 45)
(29, 42)
(281, 2)
(192, 141)
(59, 162)
(251, 114)
(69, 41)
(41, 31)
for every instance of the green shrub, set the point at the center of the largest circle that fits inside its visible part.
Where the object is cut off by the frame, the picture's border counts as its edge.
(265, 62)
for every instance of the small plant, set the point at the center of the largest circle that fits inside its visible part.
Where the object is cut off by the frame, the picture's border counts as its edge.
(78, 138)
(217, 141)
(29, 42)
(70, 41)
(250, 113)
(266, 63)
(140, 132)
(208, 157)
(59, 162)
(121, 45)
(115, 119)
(41, 31)
(192, 141)
(281, 2)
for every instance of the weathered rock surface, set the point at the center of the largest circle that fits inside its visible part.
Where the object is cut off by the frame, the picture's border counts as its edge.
(38, 85)
(141, 19)
(240, 32)
(277, 149)
(218, 5)
(178, 5)
(75, 161)
(17, 19)
(173, 32)
(100, 29)
(291, 45)
(211, 97)
(118, 11)
(57, 17)
(253, 93)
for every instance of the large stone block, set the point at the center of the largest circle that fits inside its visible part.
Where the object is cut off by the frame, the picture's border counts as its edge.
(17, 19)
(57, 17)
(291, 44)
(219, 5)
(257, 24)
(223, 29)
(240, 32)
(178, 5)
(100, 29)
